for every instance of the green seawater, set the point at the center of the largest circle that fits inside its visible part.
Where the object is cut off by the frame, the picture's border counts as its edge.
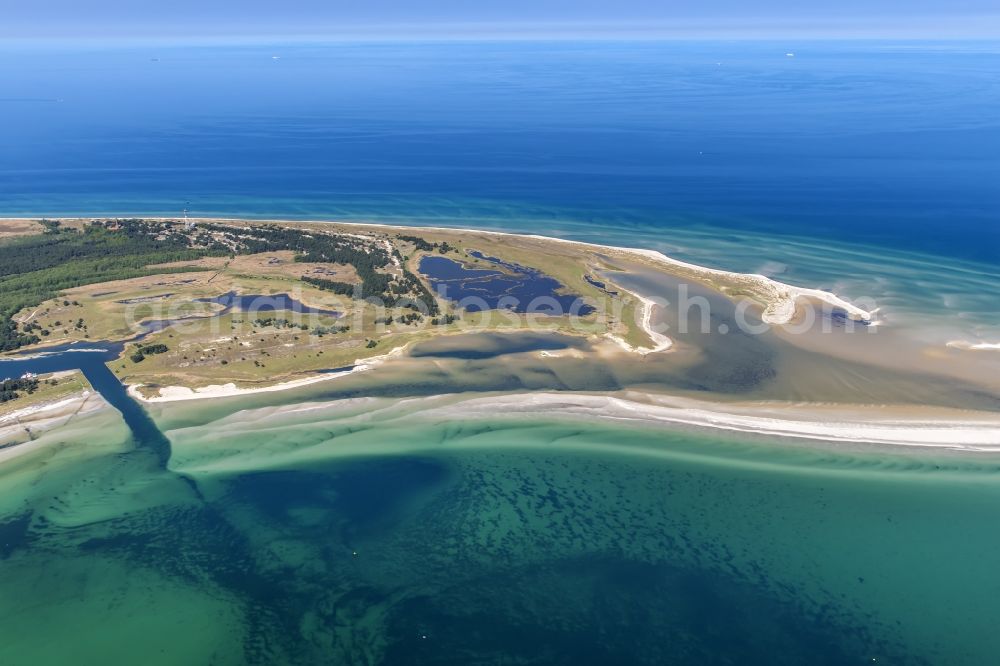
(328, 536)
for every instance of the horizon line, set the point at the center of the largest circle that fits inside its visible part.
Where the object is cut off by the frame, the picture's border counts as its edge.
(957, 28)
(326, 39)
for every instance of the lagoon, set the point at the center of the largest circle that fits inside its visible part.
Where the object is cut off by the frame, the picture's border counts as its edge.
(519, 288)
(337, 522)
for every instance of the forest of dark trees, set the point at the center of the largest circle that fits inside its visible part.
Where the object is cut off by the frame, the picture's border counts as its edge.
(36, 268)
(10, 388)
(422, 244)
(324, 248)
(366, 259)
(341, 288)
(142, 351)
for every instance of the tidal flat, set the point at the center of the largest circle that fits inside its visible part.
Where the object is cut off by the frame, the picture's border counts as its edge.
(465, 502)
(757, 490)
(428, 510)
(364, 533)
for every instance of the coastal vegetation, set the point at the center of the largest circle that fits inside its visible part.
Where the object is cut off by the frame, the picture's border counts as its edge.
(405, 291)
(279, 322)
(11, 389)
(318, 296)
(342, 288)
(330, 330)
(369, 260)
(37, 267)
(20, 394)
(422, 244)
(142, 351)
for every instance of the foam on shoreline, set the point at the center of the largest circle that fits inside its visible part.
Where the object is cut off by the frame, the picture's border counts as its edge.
(41, 352)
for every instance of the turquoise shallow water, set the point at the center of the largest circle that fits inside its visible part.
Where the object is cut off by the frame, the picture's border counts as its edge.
(476, 542)
(327, 536)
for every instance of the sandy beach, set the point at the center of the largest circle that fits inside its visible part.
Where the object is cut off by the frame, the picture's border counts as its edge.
(974, 346)
(661, 342)
(780, 298)
(23, 425)
(181, 393)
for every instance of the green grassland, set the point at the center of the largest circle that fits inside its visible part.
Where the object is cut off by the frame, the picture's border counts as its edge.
(161, 269)
(37, 267)
(51, 388)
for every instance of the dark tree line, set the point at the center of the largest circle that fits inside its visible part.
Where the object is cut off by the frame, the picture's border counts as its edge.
(367, 259)
(61, 246)
(422, 244)
(142, 351)
(279, 322)
(341, 288)
(36, 268)
(9, 388)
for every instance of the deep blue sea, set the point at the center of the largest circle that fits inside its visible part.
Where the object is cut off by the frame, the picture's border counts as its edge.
(813, 167)
(393, 528)
(880, 143)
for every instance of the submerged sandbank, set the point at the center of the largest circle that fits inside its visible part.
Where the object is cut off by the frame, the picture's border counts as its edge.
(887, 426)
(861, 424)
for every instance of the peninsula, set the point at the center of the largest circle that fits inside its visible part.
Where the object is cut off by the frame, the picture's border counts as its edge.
(220, 306)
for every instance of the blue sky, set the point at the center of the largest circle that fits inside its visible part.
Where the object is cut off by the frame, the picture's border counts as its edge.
(195, 18)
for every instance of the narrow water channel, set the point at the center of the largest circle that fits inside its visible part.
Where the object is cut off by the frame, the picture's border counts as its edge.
(91, 358)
